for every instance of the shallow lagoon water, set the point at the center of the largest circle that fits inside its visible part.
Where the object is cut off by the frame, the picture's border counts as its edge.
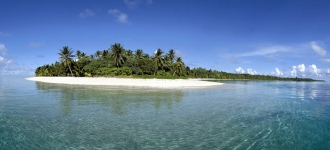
(237, 115)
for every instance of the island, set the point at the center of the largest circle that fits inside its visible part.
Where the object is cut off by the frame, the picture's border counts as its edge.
(118, 66)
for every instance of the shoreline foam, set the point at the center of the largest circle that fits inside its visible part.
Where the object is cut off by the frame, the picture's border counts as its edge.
(128, 82)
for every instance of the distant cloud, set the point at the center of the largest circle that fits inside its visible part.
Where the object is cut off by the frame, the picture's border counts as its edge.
(302, 71)
(240, 70)
(4, 34)
(325, 60)
(236, 61)
(250, 71)
(3, 49)
(180, 53)
(277, 72)
(121, 17)
(36, 45)
(318, 49)
(16, 70)
(4, 62)
(86, 13)
(266, 51)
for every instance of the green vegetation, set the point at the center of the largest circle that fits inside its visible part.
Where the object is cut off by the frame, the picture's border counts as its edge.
(117, 61)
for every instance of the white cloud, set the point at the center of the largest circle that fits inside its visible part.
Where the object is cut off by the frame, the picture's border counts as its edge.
(121, 17)
(266, 51)
(4, 34)
(86, 13)
(294, 71)
(318, 49)
(311, 72)
(250, 71)
(298, 70)
(18, 70)
(301, 68)
(3, 49)
(312, 69)
(325, 60)
(277, 72)
(180, 53)
(239, 70)
(36, 45)
(5, 62)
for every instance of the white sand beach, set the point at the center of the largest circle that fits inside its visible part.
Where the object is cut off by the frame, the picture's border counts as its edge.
(128, 82)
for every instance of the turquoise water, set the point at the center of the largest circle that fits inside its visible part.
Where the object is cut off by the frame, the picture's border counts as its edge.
(237, 115)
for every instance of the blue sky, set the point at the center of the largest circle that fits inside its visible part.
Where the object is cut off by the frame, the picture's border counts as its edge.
(284, 38)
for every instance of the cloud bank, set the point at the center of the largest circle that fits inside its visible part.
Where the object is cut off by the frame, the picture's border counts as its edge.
(240, 70)
(311, 71)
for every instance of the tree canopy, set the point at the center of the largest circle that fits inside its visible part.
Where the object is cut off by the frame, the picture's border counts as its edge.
(117, 61)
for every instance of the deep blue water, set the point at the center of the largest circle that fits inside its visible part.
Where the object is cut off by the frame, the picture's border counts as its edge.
(237, 115)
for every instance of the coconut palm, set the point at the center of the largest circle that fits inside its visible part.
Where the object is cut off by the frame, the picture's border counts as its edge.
(98, 54)
(78, 54)
(66, 57)
(117, 52)
(167, 62)
(83, 55)
(179, 66)
(129, 53)
(171, 55)
(138, 53)
(158, 58)
(105, 54)
(146, 55)
(91, 57)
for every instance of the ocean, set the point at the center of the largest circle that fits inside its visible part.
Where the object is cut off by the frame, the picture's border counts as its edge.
(238, 115)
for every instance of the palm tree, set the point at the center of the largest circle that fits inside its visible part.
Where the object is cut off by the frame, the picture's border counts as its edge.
(91, 57)
(179, 66)
(158, 58)
(138, 53)
(78, 54)
(66, 57)
(98, 54)
(83, 55)
(129, 53)
(117, 52)
(146, 55)
(171, 54)
(105, 54)
(167, 62)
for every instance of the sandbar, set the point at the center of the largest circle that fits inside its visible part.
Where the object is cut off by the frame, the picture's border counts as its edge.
(128, 82)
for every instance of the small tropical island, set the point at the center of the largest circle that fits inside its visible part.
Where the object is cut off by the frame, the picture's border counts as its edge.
(118, 62)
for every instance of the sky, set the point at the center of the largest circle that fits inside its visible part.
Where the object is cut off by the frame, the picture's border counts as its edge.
(268, 37)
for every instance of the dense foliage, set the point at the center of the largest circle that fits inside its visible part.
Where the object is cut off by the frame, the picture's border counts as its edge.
(117, 61)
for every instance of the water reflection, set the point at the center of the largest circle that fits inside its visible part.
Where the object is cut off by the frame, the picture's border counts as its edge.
(118, 99)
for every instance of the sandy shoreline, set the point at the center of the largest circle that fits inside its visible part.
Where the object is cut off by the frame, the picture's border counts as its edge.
(128, 82)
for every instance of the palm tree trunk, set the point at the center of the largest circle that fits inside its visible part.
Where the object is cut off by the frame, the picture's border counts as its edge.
(70, 70)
